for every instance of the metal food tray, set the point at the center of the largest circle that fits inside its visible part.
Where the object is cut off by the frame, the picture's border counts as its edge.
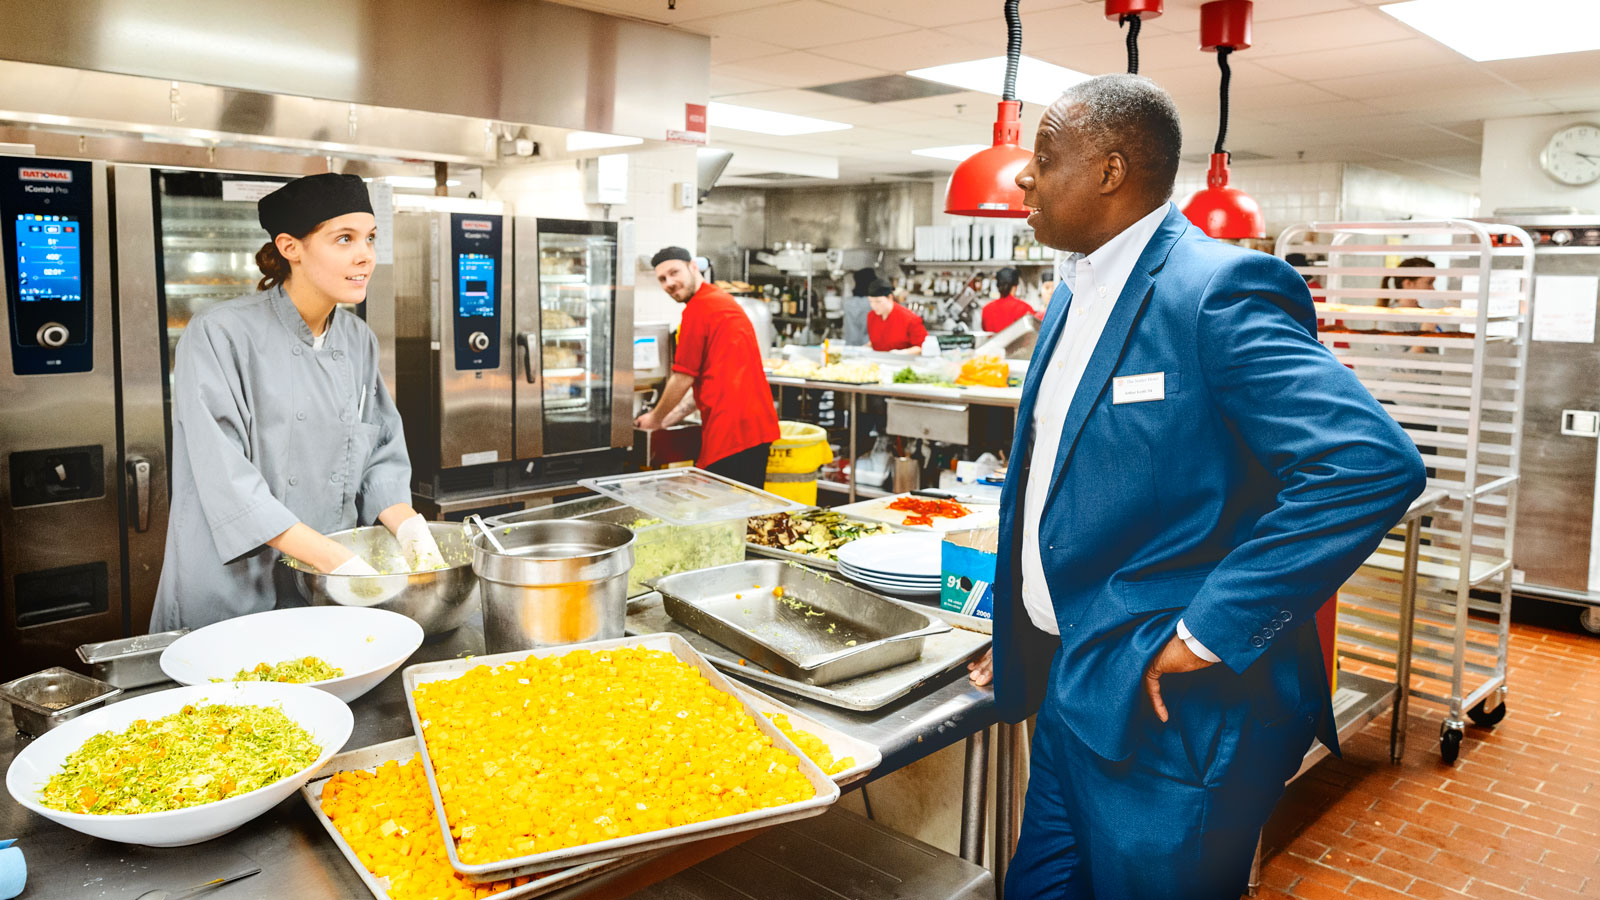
(818, 630)
(841, 745)
(940, 654)
(826, 791)
(130, 662)
(402, 750)
(817, 562)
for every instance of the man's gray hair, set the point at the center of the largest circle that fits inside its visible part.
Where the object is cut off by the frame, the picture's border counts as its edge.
(1132, 115)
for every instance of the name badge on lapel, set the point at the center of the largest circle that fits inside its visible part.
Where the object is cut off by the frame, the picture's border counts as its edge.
(1139, 388)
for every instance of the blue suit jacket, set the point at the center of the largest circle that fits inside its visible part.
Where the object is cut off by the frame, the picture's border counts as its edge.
(1239, 503)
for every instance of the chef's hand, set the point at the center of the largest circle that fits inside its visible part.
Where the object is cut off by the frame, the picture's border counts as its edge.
(355, 565)
(418, 546)
(650, 421)
(1174, 658)
(981, 671)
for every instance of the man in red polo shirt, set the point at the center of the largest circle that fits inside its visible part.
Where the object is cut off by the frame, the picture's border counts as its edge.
(717, 355)
(890, 326)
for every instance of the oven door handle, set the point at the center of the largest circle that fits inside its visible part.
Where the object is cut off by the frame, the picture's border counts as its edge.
(530, 345)
(139, 482)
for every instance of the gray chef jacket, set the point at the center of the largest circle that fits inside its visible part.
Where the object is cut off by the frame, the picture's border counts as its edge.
(268, 431)
(855, 321)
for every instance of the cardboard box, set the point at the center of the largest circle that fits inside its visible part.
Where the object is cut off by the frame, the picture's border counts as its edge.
(967, 559)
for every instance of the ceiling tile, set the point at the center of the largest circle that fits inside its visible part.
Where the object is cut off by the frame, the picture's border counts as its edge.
(1394, 86)
(732, 49)
(1307, 34)
(913, 50)
(934, 13)
(657, 11)
(791, 100)
(798, 24)
(724, 85)
(1367, 59)
(796, 69)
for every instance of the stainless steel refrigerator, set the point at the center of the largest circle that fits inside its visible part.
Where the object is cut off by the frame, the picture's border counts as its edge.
(1557, 551)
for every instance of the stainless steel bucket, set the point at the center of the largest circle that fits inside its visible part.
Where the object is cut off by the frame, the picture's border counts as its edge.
(558, 582)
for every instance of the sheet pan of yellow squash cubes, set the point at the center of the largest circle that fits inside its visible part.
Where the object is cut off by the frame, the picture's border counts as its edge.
(563, 756)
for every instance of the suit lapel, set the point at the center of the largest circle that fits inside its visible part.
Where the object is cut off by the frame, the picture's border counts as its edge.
(1108, 351)
(1055, 318)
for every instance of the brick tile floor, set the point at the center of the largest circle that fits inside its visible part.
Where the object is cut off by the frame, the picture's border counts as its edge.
(1517, 816)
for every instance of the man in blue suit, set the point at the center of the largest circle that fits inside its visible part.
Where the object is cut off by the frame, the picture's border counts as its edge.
(1193, 476)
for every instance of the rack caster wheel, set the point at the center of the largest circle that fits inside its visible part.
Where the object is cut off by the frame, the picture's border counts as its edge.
(1590, 619)
(1450, 744)
(1487, 718)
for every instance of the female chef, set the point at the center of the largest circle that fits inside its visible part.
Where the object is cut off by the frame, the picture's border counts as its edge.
(282, 428)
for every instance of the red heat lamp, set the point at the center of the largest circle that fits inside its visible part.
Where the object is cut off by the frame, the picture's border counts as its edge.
(1219, 210)
(985, 184)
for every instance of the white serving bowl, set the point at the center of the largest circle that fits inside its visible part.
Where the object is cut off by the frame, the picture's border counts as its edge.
(367, 644)
(325, 716)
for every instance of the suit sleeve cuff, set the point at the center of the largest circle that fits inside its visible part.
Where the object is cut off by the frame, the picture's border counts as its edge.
(1194, 645)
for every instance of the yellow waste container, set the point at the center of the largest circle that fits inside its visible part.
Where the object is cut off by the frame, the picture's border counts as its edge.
(793, 462)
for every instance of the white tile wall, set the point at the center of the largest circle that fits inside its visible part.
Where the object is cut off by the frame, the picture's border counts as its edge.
(556, 190)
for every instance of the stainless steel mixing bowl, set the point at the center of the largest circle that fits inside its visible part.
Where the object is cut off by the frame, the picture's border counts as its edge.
(439, 601)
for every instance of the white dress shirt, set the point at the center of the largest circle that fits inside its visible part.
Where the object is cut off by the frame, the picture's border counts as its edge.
(1096, 281)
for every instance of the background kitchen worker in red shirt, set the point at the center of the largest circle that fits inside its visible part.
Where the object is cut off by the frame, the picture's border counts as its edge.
(891, 326)
(718, 356)
(997, 314)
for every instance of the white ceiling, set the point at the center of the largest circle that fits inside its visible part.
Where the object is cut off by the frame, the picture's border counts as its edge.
(1325, 80)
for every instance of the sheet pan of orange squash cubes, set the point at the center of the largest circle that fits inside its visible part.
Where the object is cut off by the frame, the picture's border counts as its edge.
(536, 769)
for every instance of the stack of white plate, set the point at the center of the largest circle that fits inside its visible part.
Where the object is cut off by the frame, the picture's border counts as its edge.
(905, 564)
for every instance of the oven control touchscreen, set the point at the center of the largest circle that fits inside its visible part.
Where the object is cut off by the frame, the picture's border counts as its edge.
(476, 242)
(44, 211)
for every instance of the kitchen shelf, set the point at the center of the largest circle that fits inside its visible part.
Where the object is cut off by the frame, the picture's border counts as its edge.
(871, 493)
(571, 372)
(564, 334)
(976, 263)
(563, 279)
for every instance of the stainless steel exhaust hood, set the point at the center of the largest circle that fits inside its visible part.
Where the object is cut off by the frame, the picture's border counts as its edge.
(380, 79)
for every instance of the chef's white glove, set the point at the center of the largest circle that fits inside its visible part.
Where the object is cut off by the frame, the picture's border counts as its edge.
(355, 565)
(417, 544)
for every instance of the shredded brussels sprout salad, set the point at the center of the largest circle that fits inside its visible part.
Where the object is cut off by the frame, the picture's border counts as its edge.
(301, 670)
(198, 755)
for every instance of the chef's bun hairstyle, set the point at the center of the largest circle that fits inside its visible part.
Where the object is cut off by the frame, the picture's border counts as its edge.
(298, 209)
(274, 268)
(1392, 282)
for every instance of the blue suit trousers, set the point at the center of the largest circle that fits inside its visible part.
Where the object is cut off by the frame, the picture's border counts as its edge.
(1176, 820)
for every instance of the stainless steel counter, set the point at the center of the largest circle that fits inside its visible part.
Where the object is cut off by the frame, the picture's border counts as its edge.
(297, 859)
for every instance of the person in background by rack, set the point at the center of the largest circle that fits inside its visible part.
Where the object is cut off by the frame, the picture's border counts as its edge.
(856, 307)
(998, 314)
(719, 358)
(1410, 283)
(282, 427)
(892, 327)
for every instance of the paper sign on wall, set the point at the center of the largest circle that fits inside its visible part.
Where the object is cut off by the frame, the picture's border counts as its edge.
(248, 191)
(646, 353)
(382, 194)
(1564, 308)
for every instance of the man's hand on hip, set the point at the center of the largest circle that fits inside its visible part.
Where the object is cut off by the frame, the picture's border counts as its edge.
(1174, 658)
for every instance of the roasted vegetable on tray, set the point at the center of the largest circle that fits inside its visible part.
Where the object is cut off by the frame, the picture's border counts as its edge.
(818, 533)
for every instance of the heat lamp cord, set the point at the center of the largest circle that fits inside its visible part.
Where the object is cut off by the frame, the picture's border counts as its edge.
(1133, 21)
(1227, 75)
(1013, 48)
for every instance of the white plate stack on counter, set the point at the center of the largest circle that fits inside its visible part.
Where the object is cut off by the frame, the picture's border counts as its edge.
(905, 565)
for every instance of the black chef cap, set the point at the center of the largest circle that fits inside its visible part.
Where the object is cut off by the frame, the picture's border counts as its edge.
(670, 253)
(863, 278)
(1007, 278)
(297, 208)
(880, 288)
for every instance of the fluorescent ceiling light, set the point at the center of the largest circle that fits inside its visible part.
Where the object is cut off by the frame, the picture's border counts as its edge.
(421, 182)
(957, 152)
(598, 140)
(765, 121)
(1037, 81)
(1491, 29)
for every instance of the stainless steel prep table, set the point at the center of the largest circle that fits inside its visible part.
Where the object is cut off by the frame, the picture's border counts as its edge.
(297, 859)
